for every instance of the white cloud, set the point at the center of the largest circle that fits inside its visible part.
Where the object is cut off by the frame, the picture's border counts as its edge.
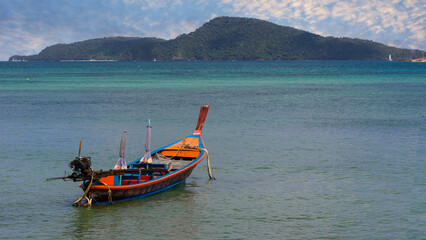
(382, 20)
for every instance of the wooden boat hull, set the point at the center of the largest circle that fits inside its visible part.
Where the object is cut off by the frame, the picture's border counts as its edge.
(171, 165)
(101, 195)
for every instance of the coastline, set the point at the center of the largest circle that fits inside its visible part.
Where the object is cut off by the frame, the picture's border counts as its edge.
(91, 60)
(418, 60)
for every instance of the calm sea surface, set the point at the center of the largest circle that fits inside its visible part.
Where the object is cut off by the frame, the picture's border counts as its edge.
(300, 150)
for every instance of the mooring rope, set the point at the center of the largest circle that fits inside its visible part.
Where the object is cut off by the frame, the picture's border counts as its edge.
(109, 193)
(89, 201)
(179, 149)
(209, 168)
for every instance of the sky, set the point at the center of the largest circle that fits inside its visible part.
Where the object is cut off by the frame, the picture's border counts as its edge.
(29, 26)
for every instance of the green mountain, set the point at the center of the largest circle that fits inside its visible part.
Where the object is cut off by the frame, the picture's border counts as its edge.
(228, 38)
(112, 48)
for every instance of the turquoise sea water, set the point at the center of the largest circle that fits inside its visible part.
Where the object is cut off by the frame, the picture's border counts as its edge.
(300, 150)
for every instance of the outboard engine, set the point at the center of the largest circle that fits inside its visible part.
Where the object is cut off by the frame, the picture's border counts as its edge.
(81, 168)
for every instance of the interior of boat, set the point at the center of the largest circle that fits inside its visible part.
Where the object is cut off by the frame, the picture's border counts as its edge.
(166, 160)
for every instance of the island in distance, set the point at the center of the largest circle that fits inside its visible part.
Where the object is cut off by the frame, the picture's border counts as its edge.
(226, 38)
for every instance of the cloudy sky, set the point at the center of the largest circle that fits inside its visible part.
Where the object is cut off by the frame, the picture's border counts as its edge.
(28, 26)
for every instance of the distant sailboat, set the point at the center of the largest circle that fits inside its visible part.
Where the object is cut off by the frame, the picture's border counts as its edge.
(390, 58)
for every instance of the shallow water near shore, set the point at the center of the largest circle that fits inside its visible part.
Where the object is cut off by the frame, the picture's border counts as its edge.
(300, 150)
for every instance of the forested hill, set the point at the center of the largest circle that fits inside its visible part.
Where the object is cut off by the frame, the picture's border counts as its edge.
(112, 48)
(227, 38)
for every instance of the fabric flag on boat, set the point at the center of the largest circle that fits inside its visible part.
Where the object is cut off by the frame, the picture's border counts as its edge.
(121, 163)
(147, 156)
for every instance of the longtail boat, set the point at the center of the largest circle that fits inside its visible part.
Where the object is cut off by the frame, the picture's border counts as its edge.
(167, 167)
